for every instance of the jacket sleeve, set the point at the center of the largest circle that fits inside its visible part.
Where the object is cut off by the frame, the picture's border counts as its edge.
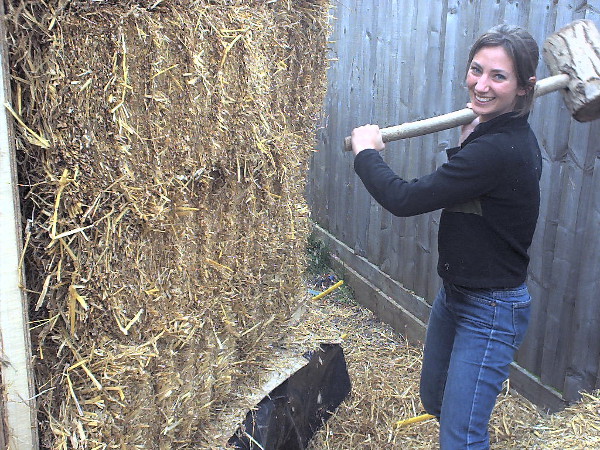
(469, 173)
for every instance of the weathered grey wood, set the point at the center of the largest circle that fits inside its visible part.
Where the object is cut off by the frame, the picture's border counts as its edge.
(19, 413)
(574, 50)
(381, 45)
(583, 345)
(339, 205)
(529, 354)
(561, 295)
(528, 385)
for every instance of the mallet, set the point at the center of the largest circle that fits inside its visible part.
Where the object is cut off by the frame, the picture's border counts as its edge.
(572, 55)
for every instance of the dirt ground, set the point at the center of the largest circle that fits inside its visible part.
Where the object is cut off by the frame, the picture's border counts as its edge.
(384, 371)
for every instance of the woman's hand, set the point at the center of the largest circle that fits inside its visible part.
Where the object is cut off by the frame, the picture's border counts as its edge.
(367, 136)
(467, 129)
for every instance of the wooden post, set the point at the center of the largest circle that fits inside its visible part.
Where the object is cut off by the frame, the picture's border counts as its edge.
(575, 50)
(15, 350)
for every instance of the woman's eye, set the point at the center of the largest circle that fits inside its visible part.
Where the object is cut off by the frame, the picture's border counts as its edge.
(475, 69)
(500, 77)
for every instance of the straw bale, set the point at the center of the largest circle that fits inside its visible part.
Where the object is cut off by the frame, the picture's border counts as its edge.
(162, 148)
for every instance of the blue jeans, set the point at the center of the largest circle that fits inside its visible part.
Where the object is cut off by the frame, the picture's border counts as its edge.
(472, 337)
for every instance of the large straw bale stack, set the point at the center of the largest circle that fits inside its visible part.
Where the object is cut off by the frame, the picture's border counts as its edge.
(162, 148)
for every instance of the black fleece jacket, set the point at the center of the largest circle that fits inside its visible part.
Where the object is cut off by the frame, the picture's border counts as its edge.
(489, 192)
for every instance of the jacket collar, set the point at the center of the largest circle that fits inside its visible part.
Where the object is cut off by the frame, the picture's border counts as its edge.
(508, 119)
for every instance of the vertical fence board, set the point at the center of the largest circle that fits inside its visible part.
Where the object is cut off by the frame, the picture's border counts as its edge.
(582, 371)
(529, 355)
(380, 104)
(387, 117)
(430, 26)
(355, 71)
(362, 105)
(559, 297)
(593, 14)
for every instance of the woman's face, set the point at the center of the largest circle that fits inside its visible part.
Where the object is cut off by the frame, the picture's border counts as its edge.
(492, 83)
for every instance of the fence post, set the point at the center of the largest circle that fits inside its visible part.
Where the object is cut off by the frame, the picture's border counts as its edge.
(15, 350)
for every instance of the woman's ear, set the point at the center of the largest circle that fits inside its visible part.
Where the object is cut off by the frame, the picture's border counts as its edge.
(530, 85)
(532, 80)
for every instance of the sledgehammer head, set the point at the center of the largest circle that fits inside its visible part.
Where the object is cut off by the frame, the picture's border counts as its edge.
(575, 51)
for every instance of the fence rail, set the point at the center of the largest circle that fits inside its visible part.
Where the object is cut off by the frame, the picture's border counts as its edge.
(398, 61)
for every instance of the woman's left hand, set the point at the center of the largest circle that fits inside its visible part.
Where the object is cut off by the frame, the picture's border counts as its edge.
(467, 129)
(367, 136)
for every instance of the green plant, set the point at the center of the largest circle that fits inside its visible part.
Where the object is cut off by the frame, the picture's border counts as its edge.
(318, 253)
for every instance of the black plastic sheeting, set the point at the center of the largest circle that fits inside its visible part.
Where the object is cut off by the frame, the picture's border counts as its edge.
(288, 417)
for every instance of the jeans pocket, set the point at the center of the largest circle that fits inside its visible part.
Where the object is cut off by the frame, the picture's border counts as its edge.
(521, 314)
(475, 306)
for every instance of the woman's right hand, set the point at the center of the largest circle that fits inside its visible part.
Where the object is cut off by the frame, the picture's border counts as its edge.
(367, 136)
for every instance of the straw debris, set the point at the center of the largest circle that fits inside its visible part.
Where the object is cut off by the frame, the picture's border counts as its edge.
(162, 148)
(384, 370)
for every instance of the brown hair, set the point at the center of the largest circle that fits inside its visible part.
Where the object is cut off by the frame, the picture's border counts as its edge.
(522, 48)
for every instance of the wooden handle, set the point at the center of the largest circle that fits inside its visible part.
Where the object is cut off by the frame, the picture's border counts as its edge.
(456, 118)
(421, 127)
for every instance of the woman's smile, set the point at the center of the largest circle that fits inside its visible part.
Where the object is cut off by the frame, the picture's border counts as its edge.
(481, 99)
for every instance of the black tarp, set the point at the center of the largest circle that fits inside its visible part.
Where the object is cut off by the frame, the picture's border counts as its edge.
(288, 417)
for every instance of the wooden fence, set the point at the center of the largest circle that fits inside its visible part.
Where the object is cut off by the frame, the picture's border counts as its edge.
(394, 61)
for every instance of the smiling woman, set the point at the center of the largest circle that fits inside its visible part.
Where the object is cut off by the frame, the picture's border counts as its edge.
(501, 66)
(489, 193)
